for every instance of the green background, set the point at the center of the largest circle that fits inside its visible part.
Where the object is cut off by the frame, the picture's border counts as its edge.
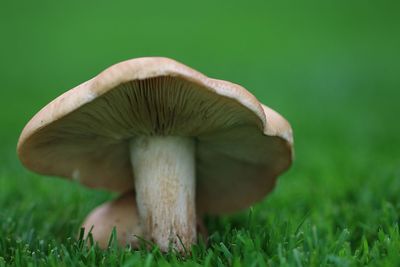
(332, 68)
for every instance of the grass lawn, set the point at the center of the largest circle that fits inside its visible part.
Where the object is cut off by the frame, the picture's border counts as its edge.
(332, 69)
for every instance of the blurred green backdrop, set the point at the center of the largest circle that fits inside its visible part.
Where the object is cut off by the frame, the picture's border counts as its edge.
(332, 68)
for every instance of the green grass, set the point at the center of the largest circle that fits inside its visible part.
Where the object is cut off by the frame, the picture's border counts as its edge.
(331, 68)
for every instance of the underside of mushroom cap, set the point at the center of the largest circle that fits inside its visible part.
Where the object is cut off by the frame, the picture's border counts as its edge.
(241, 145)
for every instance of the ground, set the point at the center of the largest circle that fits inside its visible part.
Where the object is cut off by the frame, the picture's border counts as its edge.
(332, 69)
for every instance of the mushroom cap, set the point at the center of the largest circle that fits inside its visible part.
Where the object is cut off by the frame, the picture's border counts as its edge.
(84, 134)
(122, 214)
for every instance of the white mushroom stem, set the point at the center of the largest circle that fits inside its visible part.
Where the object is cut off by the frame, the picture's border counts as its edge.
(164, 173)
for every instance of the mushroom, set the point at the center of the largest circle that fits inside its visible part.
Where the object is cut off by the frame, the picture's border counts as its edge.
(187, 144)
(121, 214)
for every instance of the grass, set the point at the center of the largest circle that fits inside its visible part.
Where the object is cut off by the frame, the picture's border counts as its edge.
(331, 68)
(304, 223)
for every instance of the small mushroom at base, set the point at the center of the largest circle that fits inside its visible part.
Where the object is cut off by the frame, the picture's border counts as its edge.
(120, 213)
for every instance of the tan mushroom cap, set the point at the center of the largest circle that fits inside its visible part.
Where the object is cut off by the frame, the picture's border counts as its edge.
(120, 213)
(241, 145)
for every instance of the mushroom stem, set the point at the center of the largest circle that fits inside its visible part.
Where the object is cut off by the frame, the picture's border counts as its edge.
(164, 172)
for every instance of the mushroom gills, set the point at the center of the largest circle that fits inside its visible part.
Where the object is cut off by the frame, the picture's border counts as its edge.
(164, 177)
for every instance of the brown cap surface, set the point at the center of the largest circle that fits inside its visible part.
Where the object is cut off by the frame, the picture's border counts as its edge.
(242, 146)
(120, 213)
